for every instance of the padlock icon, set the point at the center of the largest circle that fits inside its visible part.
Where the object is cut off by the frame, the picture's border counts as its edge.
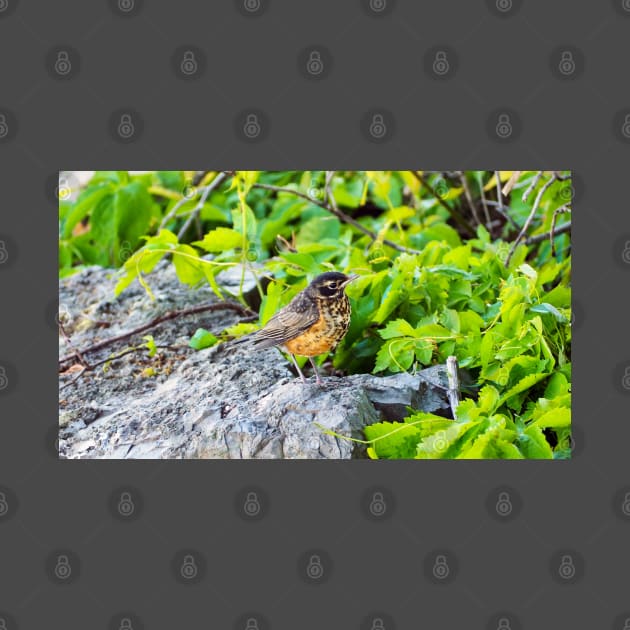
(189, 568)
(504, 5)
(4, 128)
(625, 506)
(626, 625)
(378, 624)
(440, 444)
(626, 7)
(63, 315)
(251, 128)
(4, 506)
(567, 63)
(625, 381)
(378, 129)
(4, 379)
(63, 190)
(440, 63)
(62, 569)
(4, 254)
(504, 504)
(625, 254)
(252, 624)
(189, 65)
(4, 5)
(625, 128)
(126, 128)
(251, 5)
(314, 192)
(378, 5)
(126, 5)
(441, 569)
(314, 569)
(3, 621)
(63, 66)
(504, 126)
(566, 569)
(315, 65)
(504, 624)
(252, 504)
(126, 506)
(441, 188)
(125, 624)
(378, 507)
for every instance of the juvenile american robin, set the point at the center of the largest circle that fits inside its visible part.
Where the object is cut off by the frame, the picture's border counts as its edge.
(312, 323)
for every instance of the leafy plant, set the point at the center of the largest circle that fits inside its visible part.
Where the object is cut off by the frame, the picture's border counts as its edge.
(447, 267)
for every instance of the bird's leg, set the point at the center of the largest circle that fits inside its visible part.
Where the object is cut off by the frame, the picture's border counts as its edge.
(297, 367)
(317, 379)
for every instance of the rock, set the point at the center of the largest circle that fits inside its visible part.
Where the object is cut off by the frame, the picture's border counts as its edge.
(228, 402)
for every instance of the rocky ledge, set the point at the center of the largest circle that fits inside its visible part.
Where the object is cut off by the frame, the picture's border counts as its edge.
(223, 402)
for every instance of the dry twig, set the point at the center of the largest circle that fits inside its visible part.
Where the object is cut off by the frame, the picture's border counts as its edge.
(530, 217)
(232, 306)
(457, 216)
(469, 199)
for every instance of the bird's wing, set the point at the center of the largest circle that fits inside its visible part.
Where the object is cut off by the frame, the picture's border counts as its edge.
(290, 322)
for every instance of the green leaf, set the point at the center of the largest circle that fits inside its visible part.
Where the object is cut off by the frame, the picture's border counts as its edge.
(150, 345)
(393, 440)
(202, 339)
(433, 331)
(557, 385)
(423, 351)
(188, 266)
(86, 202)
(220, 239)
(383, 358)
(523, 385)
(559, 418)
(488, 399)
(397, 328)
(533, 444)
(547, 308)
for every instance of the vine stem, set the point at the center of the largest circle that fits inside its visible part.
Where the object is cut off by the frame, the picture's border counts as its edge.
(342, 216)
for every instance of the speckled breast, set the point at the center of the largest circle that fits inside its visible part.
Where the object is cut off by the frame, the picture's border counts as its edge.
(327, 332)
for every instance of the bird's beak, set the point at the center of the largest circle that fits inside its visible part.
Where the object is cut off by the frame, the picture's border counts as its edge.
(349, 279)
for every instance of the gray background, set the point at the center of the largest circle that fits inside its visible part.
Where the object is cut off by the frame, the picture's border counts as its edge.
(250, 63)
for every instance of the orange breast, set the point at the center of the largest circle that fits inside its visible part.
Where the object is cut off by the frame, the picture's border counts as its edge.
(316, 340)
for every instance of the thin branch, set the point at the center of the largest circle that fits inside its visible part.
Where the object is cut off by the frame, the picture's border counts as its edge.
(483, 199)
(538, 238)
(194, 213)
(469, 199)
(504, 211)
(242, 310)
(552, 231)
(507, 189)
(457, 216)
(532, 185)
(76, 378)
(529, 219)
(342, 216)
(76, 353)
(497, 175)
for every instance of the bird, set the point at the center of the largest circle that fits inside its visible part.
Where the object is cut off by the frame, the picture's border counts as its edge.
(312, 323)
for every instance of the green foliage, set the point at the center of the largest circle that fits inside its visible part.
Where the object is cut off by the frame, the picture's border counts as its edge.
(460, 287)
(202, 339)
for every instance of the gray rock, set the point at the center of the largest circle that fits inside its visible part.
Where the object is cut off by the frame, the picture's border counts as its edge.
(228, 402)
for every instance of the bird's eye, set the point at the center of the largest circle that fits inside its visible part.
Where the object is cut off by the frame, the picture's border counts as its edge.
(332, 284)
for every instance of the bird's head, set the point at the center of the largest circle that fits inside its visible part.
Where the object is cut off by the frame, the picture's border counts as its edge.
(330, 285)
